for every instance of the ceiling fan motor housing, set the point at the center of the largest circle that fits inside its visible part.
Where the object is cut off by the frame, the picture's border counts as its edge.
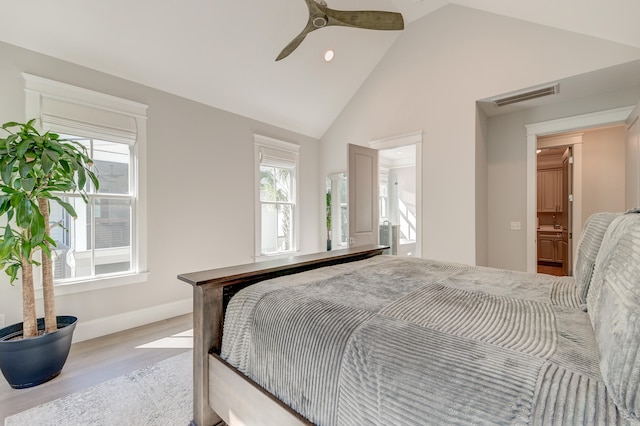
(320, 21)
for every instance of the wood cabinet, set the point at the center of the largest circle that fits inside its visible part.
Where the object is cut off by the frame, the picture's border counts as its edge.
(550, 194)
(551, 246)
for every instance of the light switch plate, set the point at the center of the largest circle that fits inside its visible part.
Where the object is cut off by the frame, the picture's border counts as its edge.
(515, 226)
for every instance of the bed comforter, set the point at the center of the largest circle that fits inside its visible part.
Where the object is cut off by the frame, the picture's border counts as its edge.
(405, 341)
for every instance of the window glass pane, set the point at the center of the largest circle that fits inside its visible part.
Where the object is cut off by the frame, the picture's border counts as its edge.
(277, 228)
(269, 228)
(113, 223)
(267, 184)
(111, 164)
(70, 256)
(276, 184)
(283, 184)
(285, 226)
(73, 257)
(344, 223)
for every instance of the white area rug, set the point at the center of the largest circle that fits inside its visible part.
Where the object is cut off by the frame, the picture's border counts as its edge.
(160, 394)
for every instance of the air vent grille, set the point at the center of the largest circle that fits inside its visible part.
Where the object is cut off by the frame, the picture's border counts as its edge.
(525, 96)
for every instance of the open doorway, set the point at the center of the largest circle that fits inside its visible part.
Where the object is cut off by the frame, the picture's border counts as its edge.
(365, 196)
(554, 207)
(592, 186)
(400, 193)
(397, 197)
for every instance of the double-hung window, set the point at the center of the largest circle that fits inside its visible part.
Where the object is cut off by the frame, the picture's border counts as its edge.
(276, 193)
(99, 241)
(106, 244)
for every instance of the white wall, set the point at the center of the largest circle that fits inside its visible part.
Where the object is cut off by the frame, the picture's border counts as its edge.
(200, 194)
(430, 80)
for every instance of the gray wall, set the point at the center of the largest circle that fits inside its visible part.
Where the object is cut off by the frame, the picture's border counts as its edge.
(200, 194)
(507, 159)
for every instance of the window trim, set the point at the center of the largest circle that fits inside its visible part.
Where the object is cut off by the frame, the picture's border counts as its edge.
(39, 90)
(290, 154)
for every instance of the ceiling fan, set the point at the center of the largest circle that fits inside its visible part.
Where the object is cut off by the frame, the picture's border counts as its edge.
(321, 16)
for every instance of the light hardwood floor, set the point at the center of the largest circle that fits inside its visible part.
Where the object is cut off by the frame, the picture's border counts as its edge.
(98, 360)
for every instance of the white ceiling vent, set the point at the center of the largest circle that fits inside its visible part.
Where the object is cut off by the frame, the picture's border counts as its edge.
(525, 96)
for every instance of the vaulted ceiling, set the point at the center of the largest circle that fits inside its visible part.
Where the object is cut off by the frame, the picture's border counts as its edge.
(222, 53)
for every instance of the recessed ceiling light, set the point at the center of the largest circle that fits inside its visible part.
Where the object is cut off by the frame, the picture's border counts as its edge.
(328, 55)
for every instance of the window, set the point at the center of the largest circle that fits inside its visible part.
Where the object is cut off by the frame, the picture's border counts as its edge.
(106, 244)
(276, 212)
(98, 242)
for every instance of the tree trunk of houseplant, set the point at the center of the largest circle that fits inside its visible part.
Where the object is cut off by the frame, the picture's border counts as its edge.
(30, 325)
(47, 274)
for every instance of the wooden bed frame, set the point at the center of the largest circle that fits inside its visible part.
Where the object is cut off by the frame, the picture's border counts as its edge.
(236, 399)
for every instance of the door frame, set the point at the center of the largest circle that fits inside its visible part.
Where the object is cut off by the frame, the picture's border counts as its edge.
(562, 125)
(413, 138)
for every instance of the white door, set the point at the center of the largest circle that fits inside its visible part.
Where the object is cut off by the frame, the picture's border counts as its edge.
(363, 195)
(633, 159)
(567, 214)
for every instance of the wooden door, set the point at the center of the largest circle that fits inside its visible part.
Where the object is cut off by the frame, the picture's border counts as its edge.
(549, 187)
(363, 195)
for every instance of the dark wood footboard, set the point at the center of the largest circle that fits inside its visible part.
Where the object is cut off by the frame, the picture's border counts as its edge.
(213, 289)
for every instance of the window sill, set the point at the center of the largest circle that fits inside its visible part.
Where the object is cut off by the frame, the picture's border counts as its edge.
(82, 286)
(265, 257)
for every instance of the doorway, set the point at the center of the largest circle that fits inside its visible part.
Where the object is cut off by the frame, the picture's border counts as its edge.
(400, 192)
(363, 228)
(554, 207)
(397, 198)
(539, 130)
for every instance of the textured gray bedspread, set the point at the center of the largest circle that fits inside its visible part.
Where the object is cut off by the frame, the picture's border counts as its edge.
(405, 341)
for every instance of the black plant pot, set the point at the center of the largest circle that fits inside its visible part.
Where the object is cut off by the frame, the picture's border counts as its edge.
(328, 245)
(29, 362)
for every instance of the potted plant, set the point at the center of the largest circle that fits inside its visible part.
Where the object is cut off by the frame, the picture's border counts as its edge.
(34, 168)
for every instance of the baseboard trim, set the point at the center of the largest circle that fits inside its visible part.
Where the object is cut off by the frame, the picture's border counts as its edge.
(86, 330)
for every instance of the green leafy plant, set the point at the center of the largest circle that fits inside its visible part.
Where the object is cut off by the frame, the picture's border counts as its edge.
(34, 167)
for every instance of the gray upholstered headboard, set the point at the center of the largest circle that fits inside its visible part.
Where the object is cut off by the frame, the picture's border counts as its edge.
(588, 247)
(614, 308)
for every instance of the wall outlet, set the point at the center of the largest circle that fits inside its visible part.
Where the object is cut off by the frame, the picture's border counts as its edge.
(1, 320)
(515, 226)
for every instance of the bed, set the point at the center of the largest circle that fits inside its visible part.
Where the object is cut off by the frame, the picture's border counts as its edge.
(355, 337)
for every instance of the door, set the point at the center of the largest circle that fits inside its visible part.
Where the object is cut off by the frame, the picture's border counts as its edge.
(363, 195)
(567, 212)
(633, 160)
(550, 182)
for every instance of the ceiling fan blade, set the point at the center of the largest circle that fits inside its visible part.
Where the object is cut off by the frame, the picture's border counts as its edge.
(367, 19)
(314, 11)
(293, 44)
